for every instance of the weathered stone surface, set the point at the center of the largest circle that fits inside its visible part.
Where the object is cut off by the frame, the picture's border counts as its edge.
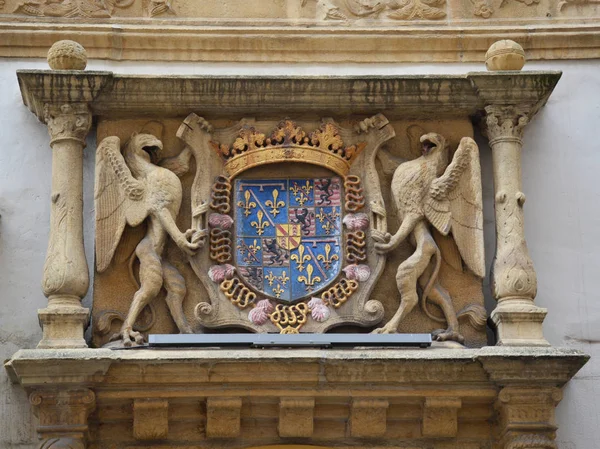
(380, 392)
(296, 30)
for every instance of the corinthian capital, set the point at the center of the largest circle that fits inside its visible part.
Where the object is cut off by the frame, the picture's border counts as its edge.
(69, 121)
(505, 122)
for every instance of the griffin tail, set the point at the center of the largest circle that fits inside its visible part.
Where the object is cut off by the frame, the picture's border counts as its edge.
(432, 280)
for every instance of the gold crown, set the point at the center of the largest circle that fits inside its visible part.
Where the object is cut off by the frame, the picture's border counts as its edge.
(288, 143)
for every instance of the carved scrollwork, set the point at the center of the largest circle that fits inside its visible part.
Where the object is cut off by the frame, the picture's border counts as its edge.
(289, 319)
(221, 195)
(356, 250)
(237, 292)
(391, 9)
(355, 199)
(220, 245)
(340, 292)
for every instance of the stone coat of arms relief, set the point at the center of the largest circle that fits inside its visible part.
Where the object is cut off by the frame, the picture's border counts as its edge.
(282, 226)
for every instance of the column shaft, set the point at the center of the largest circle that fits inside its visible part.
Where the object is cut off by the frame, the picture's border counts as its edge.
(65, 280)
(518, 319)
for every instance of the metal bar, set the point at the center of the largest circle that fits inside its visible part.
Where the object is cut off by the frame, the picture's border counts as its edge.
(290, 340)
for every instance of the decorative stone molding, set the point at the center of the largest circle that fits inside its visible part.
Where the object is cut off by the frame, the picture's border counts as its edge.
(223, 417)
(358, 396)
(65, 279)
(296, 417)
(329, 31)
(63, 416)
(150, 419)
(527, 417)
(514, 280)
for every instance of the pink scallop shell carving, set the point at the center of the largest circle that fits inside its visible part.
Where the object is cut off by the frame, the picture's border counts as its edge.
(266, 305)
(318, 310)
(220, 221)
(260, 314)
(320, 313)
(218, 273)
(356, 222)
(358, 273)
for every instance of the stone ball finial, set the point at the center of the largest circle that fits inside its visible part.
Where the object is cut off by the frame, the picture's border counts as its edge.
(505, 55)
(67, 55)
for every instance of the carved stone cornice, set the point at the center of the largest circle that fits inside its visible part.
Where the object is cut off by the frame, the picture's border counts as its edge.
(328, 41)
(223, 390)
(252, 96)
(68, 121)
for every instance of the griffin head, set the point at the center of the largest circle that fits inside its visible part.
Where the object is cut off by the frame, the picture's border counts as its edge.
(432, 143)
(145, 146)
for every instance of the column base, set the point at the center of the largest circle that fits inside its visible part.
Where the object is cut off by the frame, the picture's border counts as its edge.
(519, 323)
(63, 327)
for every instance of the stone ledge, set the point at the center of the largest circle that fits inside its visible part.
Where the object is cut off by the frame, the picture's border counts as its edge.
(33, 367)
(458, 42)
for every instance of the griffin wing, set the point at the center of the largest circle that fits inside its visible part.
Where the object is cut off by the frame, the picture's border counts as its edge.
(454, 204)
(118, 200)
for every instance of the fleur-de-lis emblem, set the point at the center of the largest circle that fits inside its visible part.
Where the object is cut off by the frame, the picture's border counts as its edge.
(260, 224)
(278, 291)
(284, 278)
(249, 251)
(328, 220)
(301, 193)
(271, 278)
(255, 247)
(326, 259)
(300, 258)
(275, 204)
(309, 280)
(247, 205)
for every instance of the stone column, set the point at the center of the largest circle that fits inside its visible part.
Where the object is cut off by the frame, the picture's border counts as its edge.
(518, 319)
(66, 280)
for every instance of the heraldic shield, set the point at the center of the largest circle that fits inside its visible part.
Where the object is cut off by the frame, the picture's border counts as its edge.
(288, 217)
(288, 235)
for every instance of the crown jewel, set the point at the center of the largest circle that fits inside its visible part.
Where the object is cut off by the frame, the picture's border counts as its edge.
(288, 142)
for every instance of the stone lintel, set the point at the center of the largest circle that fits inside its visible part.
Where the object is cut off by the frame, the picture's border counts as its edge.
(296, 417)
(223, 417)
(368, 418)
(150, 419)
(125, 96)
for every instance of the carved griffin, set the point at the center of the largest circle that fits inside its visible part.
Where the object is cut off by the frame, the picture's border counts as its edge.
(131, 188)
(431, 193)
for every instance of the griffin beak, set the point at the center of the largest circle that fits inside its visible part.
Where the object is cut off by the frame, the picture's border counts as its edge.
(153, 151)
(428, 143)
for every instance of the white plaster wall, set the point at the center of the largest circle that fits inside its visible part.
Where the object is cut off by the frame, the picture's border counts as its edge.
(561, 166)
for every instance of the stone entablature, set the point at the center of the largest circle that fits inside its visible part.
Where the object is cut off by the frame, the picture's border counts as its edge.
(301, 31)
(440, 398)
